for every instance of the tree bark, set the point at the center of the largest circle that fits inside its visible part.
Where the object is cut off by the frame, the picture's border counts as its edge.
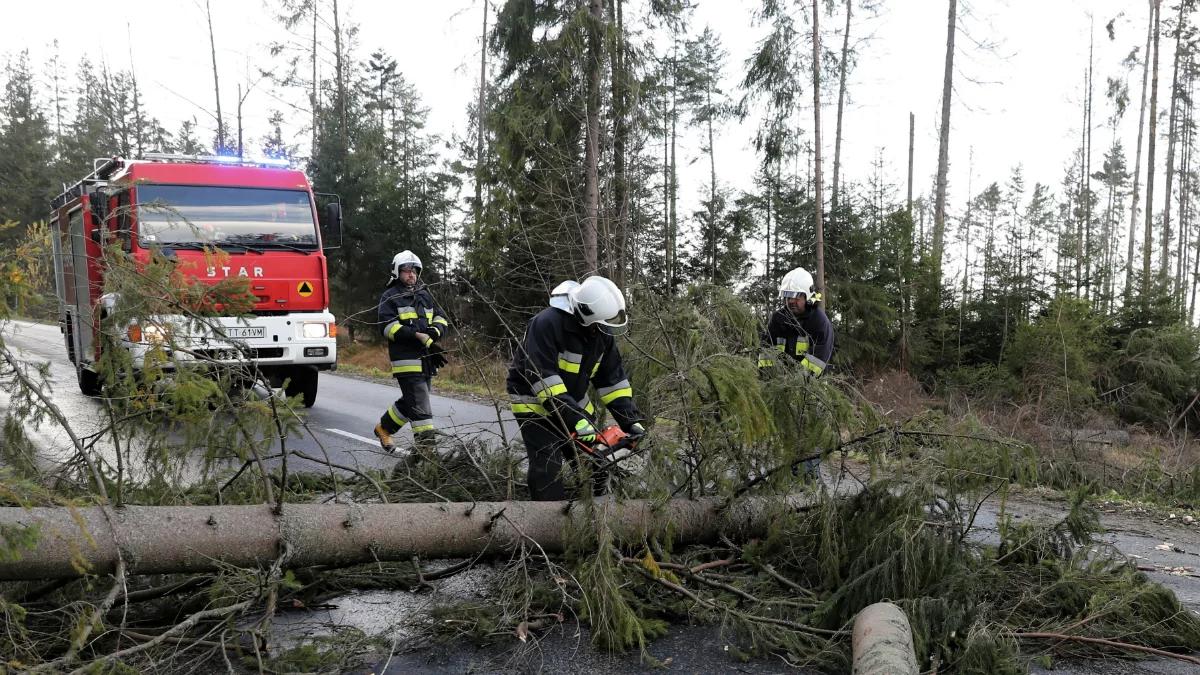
(912, 128)
(939, 208)
(673, 190)
(591, 218)
(185, 539)
(1148, 244)
(1137, 162)
(837, 143)
(712, 194)
(1086, 241)
(818, 192)
(1165, 235)
(341, 78)
(212, 44)
(620, 138)
(882, 642)
(313, 97)
(477, 205)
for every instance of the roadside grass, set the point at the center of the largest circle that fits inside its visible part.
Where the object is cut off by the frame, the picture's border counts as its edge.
(470, 372)
(1034, 452)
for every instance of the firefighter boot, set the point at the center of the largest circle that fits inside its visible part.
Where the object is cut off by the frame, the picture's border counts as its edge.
(385, 438)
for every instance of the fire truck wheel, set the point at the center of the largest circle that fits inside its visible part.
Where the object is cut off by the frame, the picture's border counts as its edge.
(89, 381)
(303, 380)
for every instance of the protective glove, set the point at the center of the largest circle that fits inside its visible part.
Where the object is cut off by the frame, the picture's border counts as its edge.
(437, 356)
(635, 433)
(585, 432)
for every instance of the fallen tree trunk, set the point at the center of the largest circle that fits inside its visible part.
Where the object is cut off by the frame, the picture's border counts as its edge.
(178, 539)
(882, 642)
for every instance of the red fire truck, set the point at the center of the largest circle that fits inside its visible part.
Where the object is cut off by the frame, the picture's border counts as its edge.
(262, 215)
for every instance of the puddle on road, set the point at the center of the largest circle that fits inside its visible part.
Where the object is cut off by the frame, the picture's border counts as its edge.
(389, 615)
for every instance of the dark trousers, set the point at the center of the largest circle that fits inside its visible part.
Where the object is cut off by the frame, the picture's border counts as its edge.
(547, 446)
(411, 408)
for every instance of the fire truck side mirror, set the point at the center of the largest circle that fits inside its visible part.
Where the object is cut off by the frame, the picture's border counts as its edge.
(332, 234)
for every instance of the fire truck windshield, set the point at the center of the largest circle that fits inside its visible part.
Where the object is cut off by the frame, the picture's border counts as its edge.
(209, 215)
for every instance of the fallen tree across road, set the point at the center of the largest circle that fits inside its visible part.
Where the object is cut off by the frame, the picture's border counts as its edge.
(185, 539)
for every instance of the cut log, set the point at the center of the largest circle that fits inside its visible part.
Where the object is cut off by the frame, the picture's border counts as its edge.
(187, 539)
(882, 642)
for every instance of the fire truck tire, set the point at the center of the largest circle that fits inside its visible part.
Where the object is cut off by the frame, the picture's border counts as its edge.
(303, 381)
(89, 381)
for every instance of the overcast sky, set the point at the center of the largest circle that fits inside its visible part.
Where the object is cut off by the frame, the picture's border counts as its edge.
(1017, 102)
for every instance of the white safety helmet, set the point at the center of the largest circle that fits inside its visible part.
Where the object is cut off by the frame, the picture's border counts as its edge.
(558, 296)
(598, 300)
(796, 282)
(405, 258)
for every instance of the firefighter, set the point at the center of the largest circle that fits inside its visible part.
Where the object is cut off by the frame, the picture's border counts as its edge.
(413, 323)
(801, 330)
(568, 347)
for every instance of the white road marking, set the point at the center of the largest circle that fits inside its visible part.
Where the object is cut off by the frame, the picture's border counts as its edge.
(347, 434)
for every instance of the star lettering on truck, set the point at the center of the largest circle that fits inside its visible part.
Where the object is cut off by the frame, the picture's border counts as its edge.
(256, 272)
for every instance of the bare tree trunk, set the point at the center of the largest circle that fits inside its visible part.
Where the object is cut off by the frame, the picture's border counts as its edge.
(139, 122)
(314, 97)
(1172, 129)
(591, 160)
(1137, 163)
(341, 77)
(712, 194)
(673, 193)
(1086, 242)
(212, 44)
(1148, 244)
(170, 539)
(241, 149)
(1181, 259)
(477, 205)
(912, 127)
(818, 192)
(620, 138)
(939, 212)
(837, 143)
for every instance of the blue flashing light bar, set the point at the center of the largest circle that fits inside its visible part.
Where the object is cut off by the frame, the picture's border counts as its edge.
(274, 162)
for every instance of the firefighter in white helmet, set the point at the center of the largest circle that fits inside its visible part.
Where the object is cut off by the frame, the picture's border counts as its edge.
(568, 347)
(800, 329)
(412, 323)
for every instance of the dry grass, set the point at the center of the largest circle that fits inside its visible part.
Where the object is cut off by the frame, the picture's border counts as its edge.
(478, 375)
(1149, 466)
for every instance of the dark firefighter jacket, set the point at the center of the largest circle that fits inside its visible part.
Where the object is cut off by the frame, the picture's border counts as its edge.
(405, 311)
(808, 337)
(557, 360)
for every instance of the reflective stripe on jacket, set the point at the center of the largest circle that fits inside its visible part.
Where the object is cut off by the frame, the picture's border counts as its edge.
(808, 338)
(403, 312)
(556, 362)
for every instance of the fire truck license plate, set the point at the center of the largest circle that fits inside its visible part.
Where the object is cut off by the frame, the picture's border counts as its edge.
(246, 332)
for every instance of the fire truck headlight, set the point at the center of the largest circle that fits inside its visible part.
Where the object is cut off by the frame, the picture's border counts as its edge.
(313, 329)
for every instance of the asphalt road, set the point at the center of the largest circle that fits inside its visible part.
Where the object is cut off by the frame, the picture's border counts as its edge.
(340, 425)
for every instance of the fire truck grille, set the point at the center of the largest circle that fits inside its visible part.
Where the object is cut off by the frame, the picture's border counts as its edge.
(233, 354)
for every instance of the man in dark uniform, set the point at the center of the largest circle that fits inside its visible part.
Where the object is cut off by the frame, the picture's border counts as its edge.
(801, 330)
(412, 323)
(566, 348)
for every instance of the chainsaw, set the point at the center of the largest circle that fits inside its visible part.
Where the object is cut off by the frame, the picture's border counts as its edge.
(611, 447)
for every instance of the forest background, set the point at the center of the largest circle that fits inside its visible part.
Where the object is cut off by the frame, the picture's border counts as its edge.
(626, 138)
